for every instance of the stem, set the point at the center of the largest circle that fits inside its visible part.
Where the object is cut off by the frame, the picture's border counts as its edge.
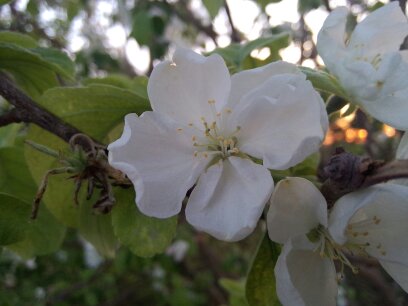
(27, 110)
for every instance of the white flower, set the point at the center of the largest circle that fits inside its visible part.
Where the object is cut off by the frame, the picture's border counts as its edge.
(369, 64)
(207, 128)
(368, 222)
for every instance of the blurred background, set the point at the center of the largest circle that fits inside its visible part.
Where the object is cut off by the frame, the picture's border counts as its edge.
(122, 40)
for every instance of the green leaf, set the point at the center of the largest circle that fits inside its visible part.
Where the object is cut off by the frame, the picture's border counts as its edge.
(213, 7)
(18, 39)
(305, 6)
(95, 110)
(142, 29)
(13, 219)
(145, 236)
(9, 134)
(2, 2)
(236, 54)
(59, 59)
(236, 291)
(97, 229)
(44, 235)
(261, 283)
(138, 85)
(324, 82)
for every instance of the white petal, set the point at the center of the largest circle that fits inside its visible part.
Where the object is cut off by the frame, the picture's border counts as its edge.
(331, 38)
(159, 160)
(389, 89)
(229, 198)
(245, 81)
(304, 278)
(296, 207)
(357, 212)
(398, 272)
(182, 88)
(282, 121)
(382, 31)
(402, 151)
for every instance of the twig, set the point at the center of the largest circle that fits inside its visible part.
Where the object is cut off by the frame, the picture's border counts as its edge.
(27, 110)
(11, 116)
(235, 37)
(185, 14)
(347, 172)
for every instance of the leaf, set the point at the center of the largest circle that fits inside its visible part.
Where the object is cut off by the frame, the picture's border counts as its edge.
(95, 110)
(142, 29)
(261, 283)
(236, 291)
(236, 54)
(97, 229)
(145, 236)
(334, 104)
(18, 39)
(322, 81)
(59, 59)
(45, 234)
(8, 134)
(213, 7)
(2, 2)
(13, 219)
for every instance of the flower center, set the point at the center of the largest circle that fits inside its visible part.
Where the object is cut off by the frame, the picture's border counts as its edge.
(357, 244)
(211, 140)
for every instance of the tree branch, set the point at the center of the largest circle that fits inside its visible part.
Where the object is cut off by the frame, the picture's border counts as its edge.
(27, 110)
(9, 117)
(235, 36)
(347, 172)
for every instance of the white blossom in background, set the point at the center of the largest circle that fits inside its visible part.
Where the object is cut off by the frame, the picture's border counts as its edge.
(369, 222)
(369, 64)
(207, 128)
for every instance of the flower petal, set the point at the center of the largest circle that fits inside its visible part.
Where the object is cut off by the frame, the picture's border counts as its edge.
(381, 31)
(331, 38)
(304, 278)
(389, 89)
(245, 81)
(159, 160)
(181, 89)
(282, 121)
(229, 198)
(296, 207)
(399, 272)
(402, 151)
(378, 216)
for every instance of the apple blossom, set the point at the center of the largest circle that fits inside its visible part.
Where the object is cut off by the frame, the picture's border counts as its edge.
(210, 130)
(369, 64)
(367, 222)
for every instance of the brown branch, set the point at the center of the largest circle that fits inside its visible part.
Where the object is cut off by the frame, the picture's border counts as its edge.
(11, 116)
(235, 36)
(347, 172)
(27, 110)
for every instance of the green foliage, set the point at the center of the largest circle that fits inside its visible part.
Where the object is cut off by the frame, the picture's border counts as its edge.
(213, 7)
(261, 283)
(238, 57)
(97, 229)
(95, 110)
(324, 82)
(45, 234)
(145, 236)
(13, 219)
(236, 291)
(2, 2)
(35, 69)
(305, 6)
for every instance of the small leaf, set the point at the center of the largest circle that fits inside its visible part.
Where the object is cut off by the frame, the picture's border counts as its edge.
(59, 59)
(322, 81)
(97, 229)
(18, 39)
(236, 291)
(261, 283)
(213, 7)
(145, 236)
(14, 219)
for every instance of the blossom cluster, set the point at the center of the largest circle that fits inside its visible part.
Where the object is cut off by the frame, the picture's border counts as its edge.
(219, 136)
